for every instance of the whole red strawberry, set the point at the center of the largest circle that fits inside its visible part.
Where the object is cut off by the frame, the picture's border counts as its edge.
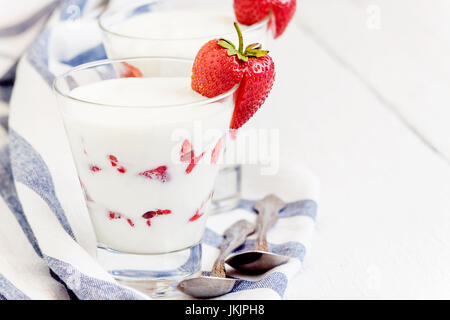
(249, 12)
(219, 66)
(283, 11)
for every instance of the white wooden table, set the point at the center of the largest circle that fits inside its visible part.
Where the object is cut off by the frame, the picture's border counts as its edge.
(370, 115)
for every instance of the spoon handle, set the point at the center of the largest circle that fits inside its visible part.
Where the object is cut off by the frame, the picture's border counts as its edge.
(268, 209)
(234, 237)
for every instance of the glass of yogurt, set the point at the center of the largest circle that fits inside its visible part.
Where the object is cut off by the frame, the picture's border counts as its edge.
(179, 28)
(146, 148)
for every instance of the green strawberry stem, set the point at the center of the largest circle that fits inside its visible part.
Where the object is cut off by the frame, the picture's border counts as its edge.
(241, 38)
(252, 50)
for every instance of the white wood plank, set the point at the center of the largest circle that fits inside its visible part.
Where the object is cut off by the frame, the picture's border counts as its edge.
(400, 48)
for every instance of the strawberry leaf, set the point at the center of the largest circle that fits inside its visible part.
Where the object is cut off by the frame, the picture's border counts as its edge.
(256, 53)
(253, 46)
(226, 44)
(242, 57)
(232, 52)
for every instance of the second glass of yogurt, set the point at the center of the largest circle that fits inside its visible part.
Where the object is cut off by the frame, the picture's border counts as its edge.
(146, 148)
(179, 28)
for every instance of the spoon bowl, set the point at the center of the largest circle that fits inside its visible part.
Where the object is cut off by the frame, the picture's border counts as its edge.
(206, 286)
(255, 261)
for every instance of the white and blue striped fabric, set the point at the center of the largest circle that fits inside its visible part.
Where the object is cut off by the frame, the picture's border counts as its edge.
(46, 240)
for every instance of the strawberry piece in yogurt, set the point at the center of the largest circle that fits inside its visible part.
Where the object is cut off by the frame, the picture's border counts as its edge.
(160, 173)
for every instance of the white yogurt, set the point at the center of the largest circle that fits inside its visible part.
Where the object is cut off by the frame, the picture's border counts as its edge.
(128, 160)
(177, 25)
(175, 33)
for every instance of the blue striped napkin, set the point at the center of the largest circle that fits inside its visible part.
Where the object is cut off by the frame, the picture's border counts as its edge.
(46, 239)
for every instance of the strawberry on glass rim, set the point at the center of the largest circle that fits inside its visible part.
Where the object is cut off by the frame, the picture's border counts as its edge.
(219, 66)
(249, 12)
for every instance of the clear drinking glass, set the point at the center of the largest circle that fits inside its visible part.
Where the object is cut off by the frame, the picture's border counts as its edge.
(145, 146)
(179, 28)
